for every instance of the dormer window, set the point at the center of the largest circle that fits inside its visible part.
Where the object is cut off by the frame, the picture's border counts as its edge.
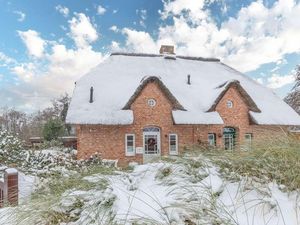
(229, 104)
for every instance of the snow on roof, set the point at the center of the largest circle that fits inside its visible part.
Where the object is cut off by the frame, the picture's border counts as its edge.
(116, 80)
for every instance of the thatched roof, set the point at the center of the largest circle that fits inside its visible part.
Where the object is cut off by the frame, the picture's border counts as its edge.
(235, 84)
(161, 55)
(152, 79)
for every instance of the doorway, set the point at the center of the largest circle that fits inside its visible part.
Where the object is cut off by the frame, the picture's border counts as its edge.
(151, 140)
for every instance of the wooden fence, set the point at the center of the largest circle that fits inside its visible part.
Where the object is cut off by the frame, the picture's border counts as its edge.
(9, 188)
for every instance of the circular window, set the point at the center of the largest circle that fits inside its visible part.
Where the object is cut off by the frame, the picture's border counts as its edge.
(229, 104)
(151, 102)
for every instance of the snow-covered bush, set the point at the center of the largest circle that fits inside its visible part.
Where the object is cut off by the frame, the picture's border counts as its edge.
(10, 148)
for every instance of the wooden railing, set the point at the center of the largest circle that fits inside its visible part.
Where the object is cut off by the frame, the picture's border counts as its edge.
(9, 190)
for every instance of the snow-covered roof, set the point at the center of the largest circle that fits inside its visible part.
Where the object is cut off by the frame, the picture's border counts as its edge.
(116, 79)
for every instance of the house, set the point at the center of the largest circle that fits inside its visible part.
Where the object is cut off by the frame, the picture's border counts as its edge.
(134, 107)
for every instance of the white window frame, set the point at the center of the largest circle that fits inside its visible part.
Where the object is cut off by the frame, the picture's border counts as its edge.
(215, 141)
(126, 147)
(173, 152)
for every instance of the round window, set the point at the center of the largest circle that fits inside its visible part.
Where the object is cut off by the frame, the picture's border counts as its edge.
(229, 104)
(151, 102)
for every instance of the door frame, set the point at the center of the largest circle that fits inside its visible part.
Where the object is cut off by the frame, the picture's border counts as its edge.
(157, 133)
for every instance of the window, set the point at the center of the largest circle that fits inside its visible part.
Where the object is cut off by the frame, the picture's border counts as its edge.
(212, 139)
(130, 144)
(248, 142)
(151, 102)
(173, 144)
(229, 104)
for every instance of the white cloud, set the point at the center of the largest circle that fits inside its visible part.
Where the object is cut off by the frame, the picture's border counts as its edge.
(100, 10)
(115, 46)
(115, 11)
(44, 78)
(34, 43)
(277, 81)
(255, 36)
(114, 28)
(25, 71)
(62, 10)
(21, 15)
(83, 31)
(6, 60)
(139, 41)
(143, 15)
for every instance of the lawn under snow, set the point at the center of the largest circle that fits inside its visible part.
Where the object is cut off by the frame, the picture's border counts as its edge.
(184, 191)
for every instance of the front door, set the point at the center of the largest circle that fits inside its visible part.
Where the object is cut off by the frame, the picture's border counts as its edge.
(151, 136)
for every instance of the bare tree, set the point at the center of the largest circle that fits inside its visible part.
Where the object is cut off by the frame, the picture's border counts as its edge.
(293, 98)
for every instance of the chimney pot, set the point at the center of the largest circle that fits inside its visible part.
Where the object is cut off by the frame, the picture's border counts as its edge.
(167, 49)
(91, 94)
(189, 79)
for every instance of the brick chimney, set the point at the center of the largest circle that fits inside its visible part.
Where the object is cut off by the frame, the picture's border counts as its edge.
(167, 49)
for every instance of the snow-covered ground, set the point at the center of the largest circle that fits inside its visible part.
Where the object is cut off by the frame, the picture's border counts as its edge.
(187, 191)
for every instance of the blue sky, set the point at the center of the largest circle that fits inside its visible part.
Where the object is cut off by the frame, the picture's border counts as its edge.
(45, 46)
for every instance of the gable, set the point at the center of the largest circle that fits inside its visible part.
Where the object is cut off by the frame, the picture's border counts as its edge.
(242, 93)
(174, 102)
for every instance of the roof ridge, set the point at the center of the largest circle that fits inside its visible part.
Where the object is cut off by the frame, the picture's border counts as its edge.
(162, 55)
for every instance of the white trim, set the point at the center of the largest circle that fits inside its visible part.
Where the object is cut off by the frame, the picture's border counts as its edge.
(173, 152)
(126, 150)
(157, 133)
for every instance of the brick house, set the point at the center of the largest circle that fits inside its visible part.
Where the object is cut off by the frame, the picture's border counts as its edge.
(134, 107)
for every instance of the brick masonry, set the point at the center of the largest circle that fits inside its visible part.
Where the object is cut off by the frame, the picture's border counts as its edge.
(109, 140)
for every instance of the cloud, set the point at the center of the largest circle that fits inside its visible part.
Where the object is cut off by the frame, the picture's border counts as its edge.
(62, 10)
(6, 60)
(115, 46)
(255, 36)
(277, 81)
(82, 30)
(143, 15)
(100, 10)
(21, 15)
(139, 41)
(34, 43)
(24, 71)
(115, 11)
(57, 67)
(114, 28)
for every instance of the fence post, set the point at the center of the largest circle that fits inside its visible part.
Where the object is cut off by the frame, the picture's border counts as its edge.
(11, 185)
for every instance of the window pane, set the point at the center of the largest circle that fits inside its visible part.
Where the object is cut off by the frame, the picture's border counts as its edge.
(212, 139)
(130, 144)
(173, 142)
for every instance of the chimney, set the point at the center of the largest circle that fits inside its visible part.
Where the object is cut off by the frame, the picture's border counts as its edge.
(167, 49)
(189, 79)
(91, 94)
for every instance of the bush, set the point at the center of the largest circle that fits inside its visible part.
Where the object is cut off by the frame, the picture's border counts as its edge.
(53, 129)
(10, 148)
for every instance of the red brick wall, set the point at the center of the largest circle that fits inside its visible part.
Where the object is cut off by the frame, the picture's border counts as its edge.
(109, 140)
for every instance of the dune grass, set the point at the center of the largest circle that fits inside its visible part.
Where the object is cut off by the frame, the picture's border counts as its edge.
(277, 160)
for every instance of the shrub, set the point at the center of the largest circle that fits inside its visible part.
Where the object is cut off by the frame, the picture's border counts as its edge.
(10, 148)
(53, 129)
